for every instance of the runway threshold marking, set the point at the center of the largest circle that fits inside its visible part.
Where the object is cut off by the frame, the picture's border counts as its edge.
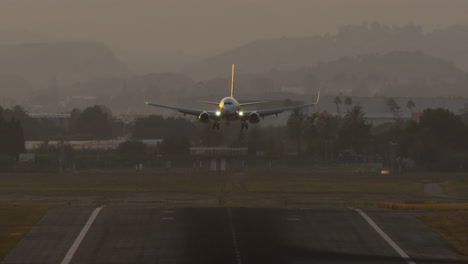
(234, 237)
(79, 238)
(385, 236)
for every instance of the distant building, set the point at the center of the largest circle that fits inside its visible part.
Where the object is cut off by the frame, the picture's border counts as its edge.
(78, 101)
(89, 144)
(60, 120)
(381, 118)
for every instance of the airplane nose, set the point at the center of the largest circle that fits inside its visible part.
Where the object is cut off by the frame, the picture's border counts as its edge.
(227, 109)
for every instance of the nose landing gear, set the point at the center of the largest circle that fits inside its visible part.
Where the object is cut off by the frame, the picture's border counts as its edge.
(245, 125)
(215, 125)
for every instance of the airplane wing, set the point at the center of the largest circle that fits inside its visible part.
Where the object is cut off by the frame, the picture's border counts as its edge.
(182, 110)
(276, 111)
(253, 103)
(212, 103)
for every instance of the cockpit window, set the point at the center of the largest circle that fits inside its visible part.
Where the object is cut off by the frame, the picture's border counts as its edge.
(228, 103)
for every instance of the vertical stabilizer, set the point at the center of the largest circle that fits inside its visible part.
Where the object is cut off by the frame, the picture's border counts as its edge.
(232, 81)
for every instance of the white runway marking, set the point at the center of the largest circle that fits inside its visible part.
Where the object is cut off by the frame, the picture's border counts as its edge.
(234, 237)
(293, 219)
(168, 212)
(168, 218)
(80, 237)
(385, 237)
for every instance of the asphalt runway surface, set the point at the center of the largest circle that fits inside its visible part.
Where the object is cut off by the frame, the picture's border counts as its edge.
(120, 234)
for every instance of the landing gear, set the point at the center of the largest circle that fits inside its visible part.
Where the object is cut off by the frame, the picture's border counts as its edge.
(245, 125)
(215, 125)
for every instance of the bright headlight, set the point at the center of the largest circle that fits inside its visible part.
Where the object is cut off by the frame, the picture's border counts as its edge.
(241, 113)
(218, 113)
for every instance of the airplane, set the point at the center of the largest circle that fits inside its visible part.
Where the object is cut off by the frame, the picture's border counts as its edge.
(229, 109)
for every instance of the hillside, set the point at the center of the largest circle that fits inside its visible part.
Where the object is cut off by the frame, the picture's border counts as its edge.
(13, 89)
(294, 52)
(129, 94)
(396, 73)
(141, 62)
(67, 62)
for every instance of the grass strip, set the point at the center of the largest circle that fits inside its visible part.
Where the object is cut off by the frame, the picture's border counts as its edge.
(425, 206)
(452, 226)
(17, 218)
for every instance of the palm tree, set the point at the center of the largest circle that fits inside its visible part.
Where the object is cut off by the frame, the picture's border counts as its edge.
(337, 101)
(395, 109)
(355, 132)
(348, 102)
(355, 116)
(296, 125)
(411, 105)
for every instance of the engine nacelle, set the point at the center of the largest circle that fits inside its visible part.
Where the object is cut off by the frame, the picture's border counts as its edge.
(204, 117)
(254, 118)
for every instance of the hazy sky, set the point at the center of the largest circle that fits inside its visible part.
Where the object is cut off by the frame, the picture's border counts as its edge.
(201, 27)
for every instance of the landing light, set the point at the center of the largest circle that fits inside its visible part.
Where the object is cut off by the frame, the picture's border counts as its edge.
(218, 113)
(241, 113)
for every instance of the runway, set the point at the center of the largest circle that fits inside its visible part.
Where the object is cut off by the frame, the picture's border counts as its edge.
(120, 234)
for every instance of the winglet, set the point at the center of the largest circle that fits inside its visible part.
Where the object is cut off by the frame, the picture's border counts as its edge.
(318, 98)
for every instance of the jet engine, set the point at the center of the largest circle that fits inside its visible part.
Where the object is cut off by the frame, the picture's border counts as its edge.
(254, 118)
(204, 117)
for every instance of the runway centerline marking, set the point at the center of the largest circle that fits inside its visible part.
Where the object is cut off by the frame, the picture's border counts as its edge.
(385, 236)
(81, 235)
(168, 218)
(234, 237)
(293, 219)
(168, 212)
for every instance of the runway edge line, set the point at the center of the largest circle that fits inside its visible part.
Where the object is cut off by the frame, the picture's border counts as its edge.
(385, 236)
(71, 252)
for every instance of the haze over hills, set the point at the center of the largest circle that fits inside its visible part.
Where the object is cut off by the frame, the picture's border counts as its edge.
(290, 53)
(394, 74)
(141, 62)
(398, 73)
(66, 62)
(13, 89)
(21, 36)
(128, 94)
(364, 60)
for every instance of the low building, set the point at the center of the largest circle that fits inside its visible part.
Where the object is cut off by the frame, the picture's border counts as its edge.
(60, 120)
(89, 144)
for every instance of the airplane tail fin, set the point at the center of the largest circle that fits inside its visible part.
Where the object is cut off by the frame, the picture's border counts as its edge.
(232, 81)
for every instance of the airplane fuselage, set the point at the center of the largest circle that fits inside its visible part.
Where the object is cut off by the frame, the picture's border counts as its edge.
(229, 109)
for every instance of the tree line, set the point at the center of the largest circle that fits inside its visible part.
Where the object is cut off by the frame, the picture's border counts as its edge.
(11, 135)
(438, 140)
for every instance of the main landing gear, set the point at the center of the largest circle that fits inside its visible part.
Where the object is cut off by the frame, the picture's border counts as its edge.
(245, 125)
(215, 125)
